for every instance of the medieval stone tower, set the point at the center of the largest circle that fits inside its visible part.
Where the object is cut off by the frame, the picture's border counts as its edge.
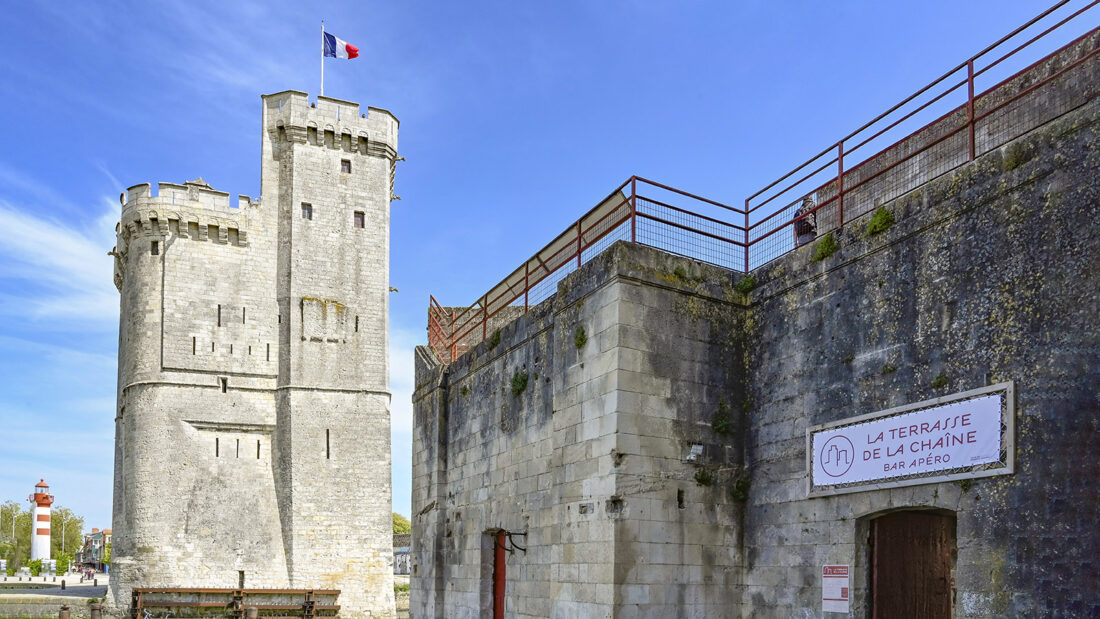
(252, 436)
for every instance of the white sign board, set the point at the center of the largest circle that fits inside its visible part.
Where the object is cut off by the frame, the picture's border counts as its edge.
(835, 589)
(964, 435)
(959, 434)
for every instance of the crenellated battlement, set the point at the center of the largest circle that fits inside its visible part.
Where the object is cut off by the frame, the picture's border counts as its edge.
(331, 123)
(191, 209)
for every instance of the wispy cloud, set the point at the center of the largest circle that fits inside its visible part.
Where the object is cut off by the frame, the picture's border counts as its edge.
(58, 268)
(214, 53)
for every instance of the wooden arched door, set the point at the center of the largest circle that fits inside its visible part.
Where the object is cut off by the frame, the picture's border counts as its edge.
(912, 553)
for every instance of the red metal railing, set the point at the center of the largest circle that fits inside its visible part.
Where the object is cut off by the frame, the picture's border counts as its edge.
(639, 210)
(940, 127)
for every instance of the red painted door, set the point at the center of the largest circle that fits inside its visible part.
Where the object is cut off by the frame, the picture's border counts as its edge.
(498, 575)
(911, 565)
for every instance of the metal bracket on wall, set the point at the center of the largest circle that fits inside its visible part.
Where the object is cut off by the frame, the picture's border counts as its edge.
(512, 546)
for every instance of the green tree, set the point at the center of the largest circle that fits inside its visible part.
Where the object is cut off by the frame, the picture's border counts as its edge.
(63, 562)
(17, 550)
(401, 524)
(8, 511)
(66, 532)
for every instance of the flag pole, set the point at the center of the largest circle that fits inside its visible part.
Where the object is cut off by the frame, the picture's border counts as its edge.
(322, 57)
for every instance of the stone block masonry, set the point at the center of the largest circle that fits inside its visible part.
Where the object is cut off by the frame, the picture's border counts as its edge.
(252, 431)
(642, 434)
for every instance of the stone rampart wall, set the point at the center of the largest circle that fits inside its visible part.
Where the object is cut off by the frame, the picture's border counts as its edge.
(989, 274)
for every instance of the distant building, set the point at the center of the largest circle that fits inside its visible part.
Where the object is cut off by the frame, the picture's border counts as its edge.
(94, 551)
(402, 542)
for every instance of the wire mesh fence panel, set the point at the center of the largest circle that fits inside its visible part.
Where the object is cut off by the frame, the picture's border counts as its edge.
(1057, 85)
(608, 236)
(690, 234)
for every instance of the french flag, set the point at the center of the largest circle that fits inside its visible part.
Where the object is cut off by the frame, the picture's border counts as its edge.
(339, 48)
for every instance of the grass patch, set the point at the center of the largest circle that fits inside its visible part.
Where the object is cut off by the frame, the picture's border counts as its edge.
(881, 220)
(721, 422)
(939, 381)
(739, 490)
(580, 338)
(519, 383)
(401, 588)
(704, 477)
(825, 247)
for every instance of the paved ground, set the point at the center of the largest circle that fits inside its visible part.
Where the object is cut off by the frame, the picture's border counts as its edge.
(51, 587)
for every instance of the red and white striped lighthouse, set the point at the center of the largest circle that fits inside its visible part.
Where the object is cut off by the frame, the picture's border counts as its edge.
(40, 521)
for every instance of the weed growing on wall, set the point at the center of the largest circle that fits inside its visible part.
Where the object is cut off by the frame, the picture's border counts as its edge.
(519, 383)
(739, 489)
(494, 339)
(825, 247)
(721, 422)
(704, 477)
(580, 338)
(746, 285)
(881, 220)
(939, 381)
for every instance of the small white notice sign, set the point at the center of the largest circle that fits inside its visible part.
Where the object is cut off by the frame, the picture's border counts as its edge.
(835, 589)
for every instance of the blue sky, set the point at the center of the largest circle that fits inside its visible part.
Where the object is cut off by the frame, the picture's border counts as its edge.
(516, 117)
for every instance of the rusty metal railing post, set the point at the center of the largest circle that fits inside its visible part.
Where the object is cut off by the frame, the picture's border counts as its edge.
(578, 243)
(454, 343)
(633, 208)
(840, 184)
(746, 235)
(970, 104)
(526, 283)
(484, 316)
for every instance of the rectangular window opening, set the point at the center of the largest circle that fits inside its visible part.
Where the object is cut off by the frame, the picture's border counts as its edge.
(257, 450)
(328, 449)
(219, 315)
(154, 248)
(231, 349)
(238, 448)
(307, 210)
(345, 166)
(360, 219)
(357, 324)
(211, 346)
(244, 314)
(194, 343)
(217, 447)
(269, 352)
(223, 382)
(250, 351)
